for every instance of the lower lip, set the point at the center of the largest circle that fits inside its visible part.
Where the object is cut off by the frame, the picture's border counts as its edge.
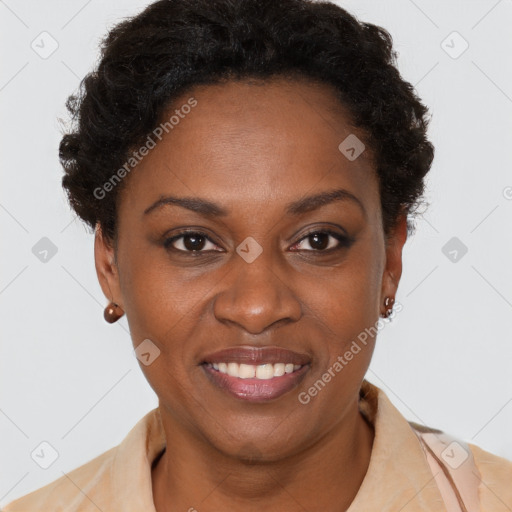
(256, 390)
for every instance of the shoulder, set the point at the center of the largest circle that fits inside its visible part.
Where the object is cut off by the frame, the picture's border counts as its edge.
(496, 480)
(118, 479)
(481, 476)
(75, 490)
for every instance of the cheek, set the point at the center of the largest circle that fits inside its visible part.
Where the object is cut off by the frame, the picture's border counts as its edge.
(162, 308)
(346, 306)
(346, 300)
(155, 295)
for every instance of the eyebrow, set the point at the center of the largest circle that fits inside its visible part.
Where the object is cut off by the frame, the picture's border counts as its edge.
(313, 202)
(196, 204)
(304, 205)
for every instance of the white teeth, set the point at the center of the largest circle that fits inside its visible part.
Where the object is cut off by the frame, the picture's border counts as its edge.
(246, 371)
(278, 369)
(233, 369)
(265, 371)
(250, 371)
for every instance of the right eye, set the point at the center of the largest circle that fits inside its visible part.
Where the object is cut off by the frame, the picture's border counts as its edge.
(190, 241)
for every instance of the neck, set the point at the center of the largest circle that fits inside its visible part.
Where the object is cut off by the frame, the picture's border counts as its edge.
(192, 475)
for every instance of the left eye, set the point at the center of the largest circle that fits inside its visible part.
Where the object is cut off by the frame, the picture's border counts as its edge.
(190, 242)
(322, 241)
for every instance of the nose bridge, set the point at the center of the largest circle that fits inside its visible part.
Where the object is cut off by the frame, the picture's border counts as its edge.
(254, 295)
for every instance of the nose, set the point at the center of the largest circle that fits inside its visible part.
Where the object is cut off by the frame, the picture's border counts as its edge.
(254, 296)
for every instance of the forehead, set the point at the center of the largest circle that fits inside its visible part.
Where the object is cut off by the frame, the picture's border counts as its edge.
(248, 141)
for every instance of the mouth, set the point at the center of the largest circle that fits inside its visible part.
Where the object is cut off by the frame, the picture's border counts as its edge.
(256, 374)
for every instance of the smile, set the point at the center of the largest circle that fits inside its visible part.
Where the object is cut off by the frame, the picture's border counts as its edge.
(250, 371)
(256, 374)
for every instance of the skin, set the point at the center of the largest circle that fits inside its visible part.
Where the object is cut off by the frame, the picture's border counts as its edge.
(252, 149)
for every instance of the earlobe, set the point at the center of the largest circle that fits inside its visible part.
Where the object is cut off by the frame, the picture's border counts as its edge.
(112, 313)
(108, 276)
(388, 306)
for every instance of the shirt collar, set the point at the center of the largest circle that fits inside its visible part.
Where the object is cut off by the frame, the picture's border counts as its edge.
(398, 476)
(131, 468)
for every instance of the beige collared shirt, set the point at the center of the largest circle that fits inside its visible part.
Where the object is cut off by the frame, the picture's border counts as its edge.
(398, 477)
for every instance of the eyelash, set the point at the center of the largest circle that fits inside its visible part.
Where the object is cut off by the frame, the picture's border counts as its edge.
(343, 242)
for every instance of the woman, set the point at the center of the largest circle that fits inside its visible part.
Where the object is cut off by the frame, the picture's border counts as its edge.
(249, 168)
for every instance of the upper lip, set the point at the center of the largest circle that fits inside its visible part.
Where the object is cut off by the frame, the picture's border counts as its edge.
(257, 356)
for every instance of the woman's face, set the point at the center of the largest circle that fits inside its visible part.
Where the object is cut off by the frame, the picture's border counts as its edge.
(276, 278)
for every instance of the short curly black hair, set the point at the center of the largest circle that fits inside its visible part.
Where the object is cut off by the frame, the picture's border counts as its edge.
(172, 45)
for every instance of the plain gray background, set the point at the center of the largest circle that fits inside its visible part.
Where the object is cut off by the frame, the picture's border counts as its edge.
(70, 379)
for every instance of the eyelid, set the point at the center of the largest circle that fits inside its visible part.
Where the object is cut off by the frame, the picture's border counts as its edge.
(169, 240)
(344, 240)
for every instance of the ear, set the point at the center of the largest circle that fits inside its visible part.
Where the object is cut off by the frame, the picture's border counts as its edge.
(106, 267)
(393, 269)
